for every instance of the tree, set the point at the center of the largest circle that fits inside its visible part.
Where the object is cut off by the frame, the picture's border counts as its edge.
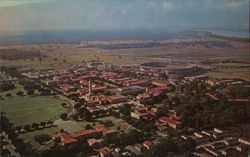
(49, 122)
(135, 136)
(18, 128)
(5, 123)
(22, 147)
(43, 123)
(5, 86)
(34, 125)
(8, 95)
(108, 123)
(55, 59)
(40, 59)
(30, 92)
(4, 152)
(26, 127)
(63, 116)
(63, 104)
(77, 106)
(87, 127)
(186, 145)
(106, 92)
(162, 149)
(82, 101)
(45, 91)
(20, 93)
(166, 101)
(85, 113)
(148, 127)
(40, 138)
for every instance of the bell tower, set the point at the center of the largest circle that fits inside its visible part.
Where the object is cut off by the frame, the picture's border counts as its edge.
(90, 87)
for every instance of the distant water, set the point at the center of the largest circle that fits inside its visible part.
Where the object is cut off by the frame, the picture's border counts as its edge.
(72, 37)
(231, 33)
(78, 36)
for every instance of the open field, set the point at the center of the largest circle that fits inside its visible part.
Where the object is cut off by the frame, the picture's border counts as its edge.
(75, 53)
(29, 136)
(69, 126)
(242, 73)
(73, 126)
(117, 123)
(31, 109)
(125, 57)
(13, 92)
(83, 123)
(59, 56)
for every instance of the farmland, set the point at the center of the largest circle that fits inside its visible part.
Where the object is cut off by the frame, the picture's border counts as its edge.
(180, 51)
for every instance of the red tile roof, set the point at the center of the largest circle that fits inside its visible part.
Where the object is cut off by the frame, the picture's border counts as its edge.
(104, 129)
(92, 102)
(212, 96)
(116, 97)
(161, 82)
(110, 131)
(138, 82)
(84, 81)
(245, 138)
(100, 127)
(169, 120)
(83, 91)
(67, 86)
(148, 143)
(65, 138)
(83, 133)
(243, 146)
(104, 151)
(99, 88)
(160, 127)
(162, 89)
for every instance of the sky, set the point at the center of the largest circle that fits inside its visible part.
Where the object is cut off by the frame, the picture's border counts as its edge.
(99, 15)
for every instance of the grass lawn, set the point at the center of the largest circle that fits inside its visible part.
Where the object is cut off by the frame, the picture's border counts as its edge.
(14, 91)
(117, 123)
(29, 136)
(31, 109)
(69, 126)
(83, 123)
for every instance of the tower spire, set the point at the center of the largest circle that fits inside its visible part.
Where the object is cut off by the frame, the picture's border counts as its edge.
(90, 87)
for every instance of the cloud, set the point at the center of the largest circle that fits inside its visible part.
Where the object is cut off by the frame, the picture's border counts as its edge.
(167, 6)
(237, 3)
(9, 3)
(120, 14)
(226, 4)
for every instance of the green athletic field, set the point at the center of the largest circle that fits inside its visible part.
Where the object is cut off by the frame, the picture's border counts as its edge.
(27, 110)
